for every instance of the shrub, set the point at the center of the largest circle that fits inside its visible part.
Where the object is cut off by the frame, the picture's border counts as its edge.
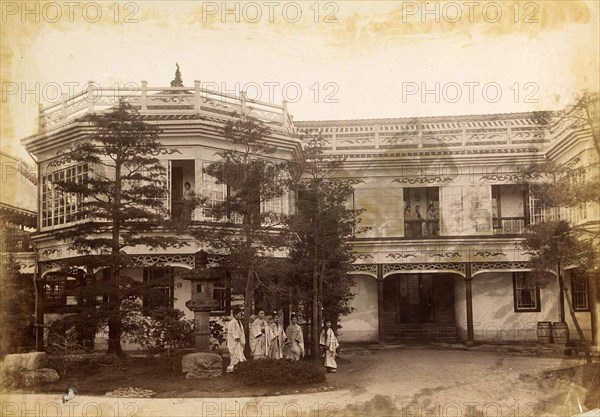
(281, 372)
(216, 335)
(164, 333)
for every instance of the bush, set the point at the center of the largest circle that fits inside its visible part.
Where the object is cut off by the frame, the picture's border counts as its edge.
(164, 333)
(280, 372)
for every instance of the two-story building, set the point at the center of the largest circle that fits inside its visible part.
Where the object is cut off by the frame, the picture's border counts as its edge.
(442, 259)
(191, 122)
(447, 208)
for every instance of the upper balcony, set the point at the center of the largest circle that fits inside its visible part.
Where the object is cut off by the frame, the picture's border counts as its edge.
(168, 102)
(368, 138)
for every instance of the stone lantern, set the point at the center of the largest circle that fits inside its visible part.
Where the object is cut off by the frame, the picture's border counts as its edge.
(202, 364)
(203, 281)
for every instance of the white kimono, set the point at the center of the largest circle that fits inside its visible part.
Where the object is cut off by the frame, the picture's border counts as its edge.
(330, 342)
(294, 349)
(278, 339)
(236, 340)
(260, 336)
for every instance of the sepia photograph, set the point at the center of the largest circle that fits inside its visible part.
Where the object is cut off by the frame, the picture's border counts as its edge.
(300, 208)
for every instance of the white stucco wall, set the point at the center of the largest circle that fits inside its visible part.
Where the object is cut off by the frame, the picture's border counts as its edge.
(362, 325)
(494, 318)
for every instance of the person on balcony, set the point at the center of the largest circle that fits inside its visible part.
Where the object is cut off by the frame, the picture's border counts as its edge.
(432, 225)
(188, 202)
(408, 224)
(418, 222)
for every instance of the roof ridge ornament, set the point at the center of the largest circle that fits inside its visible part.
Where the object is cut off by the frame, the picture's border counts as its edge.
(178, 81)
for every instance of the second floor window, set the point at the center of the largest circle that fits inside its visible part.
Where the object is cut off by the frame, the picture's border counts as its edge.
(509, 209)
(59, 207)
(421, 212)
(213, 192)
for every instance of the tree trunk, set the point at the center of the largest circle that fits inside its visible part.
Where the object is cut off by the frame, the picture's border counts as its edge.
(248, 297)
(588, 357)
(561, 291)
(114, 319)
(315, 317)
(114, 301)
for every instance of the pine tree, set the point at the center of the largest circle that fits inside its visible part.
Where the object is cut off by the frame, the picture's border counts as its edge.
(320, 251)
(120, 201)
(244, 230)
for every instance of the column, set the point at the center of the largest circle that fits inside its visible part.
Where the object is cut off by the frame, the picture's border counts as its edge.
(469, 302)
(593, 297)
(380, 282)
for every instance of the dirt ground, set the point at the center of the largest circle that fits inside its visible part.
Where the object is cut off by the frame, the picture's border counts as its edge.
(369, 382)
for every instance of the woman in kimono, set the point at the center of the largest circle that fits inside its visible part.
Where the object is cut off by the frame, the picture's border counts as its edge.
(188, 202)
(294, 347)
(278, 338)
(329, 344)
(236, 340)
(260, 336)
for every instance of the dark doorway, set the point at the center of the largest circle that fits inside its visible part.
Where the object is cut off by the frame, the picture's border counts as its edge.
(419, 306)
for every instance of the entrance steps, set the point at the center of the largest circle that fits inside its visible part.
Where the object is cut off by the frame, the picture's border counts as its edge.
(421, 332)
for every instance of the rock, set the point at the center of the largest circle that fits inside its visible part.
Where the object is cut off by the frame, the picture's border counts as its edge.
(201, 365)
(39, 377)
(131, 392)
(16, 363)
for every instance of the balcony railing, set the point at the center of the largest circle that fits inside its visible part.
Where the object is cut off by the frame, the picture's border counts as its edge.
(163, 101)
(509, 225)
(421, 228)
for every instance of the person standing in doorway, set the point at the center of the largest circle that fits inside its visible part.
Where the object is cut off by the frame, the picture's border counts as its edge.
(188, 202)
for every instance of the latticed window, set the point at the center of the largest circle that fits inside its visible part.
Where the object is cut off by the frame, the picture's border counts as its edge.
(159, 290)
(60, 207)
(539, 212)
(526, 292)
(58, 290)
(222, 295)
(213, 192)
(579, 289)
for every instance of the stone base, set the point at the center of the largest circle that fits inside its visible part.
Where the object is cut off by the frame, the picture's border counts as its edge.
(39, 377)
(202, 365)
(17, 363)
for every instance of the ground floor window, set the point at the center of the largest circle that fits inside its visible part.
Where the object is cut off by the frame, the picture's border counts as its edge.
(579, 292)
(526, 292)
(159, 289)
(222, 295)
(59, 290)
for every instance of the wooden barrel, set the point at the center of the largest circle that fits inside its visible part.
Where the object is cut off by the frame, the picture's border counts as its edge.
(544, 332)
(560, 332)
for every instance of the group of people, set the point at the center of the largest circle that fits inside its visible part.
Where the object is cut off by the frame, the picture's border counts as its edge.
(269, 340)
(416, 224)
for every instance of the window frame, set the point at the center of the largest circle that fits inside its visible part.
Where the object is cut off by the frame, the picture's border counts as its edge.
(60, 208)
(517, 309)
(583, 278)
(167, 284)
